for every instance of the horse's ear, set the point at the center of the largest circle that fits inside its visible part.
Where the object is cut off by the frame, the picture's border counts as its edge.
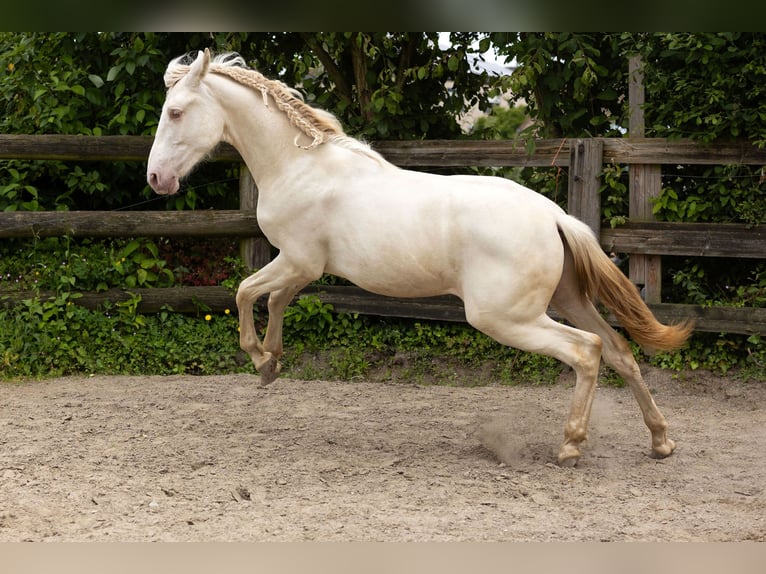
(199, 67)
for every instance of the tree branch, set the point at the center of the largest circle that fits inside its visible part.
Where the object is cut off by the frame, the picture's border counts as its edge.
(342, 88)
(405, 58)
(360, 77)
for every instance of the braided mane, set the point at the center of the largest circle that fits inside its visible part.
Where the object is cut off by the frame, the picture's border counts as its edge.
(319, 125)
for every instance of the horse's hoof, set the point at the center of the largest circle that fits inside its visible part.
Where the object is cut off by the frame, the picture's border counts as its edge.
(269, 369)
(568, 456)
(270, 377)
(663, 450)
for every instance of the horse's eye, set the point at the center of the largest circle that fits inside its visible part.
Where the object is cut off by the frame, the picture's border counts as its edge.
(175, 114)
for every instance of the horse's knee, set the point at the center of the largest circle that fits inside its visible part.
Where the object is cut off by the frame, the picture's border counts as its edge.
(242, 297)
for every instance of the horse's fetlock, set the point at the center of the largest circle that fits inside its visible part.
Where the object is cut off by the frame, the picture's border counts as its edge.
(576, 433)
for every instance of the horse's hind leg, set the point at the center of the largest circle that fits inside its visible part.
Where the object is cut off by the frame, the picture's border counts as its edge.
(541, 334)
(617, 354)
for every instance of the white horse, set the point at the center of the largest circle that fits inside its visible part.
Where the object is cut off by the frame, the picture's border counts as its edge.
(330, 204)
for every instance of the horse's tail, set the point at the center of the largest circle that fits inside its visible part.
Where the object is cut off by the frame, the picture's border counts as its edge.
(599, 278)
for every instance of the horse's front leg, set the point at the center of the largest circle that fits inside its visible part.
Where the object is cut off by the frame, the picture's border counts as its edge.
(282, 279)
(272, 343)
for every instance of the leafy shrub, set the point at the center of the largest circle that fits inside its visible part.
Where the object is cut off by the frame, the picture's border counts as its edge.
(56, 337)
(61, 263)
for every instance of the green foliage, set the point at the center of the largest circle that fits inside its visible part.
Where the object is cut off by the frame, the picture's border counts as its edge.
(718, 353)
(707, 86)
(42, 338)
(65, 264)
(721, 193)
(139, 265)
(718, 281)
(614, 194)
(704, 85)
(718, 76)
(350, 341)
(347, 363)
(49, 338)
(309, 320)
(53, 83)
(571, 82)
(382, 85)
(500, 123)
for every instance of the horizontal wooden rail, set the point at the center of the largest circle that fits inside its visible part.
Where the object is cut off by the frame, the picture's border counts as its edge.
(444, 153)
(87, 148)
(689, 239)
(664, 151)
(460, 153)
(720, 319)
(660, 238)
(153, 300)
(202, 223)
(410, 153)
(354, 300)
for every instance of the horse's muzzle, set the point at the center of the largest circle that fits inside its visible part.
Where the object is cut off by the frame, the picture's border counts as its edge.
(162, 185)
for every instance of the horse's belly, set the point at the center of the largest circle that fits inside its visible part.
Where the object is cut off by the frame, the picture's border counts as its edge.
(401, 289)
(396, 273)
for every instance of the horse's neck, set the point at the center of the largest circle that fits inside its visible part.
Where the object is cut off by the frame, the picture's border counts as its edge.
(262, 135)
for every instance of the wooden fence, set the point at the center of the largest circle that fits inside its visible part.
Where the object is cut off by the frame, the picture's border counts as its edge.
(584, 159)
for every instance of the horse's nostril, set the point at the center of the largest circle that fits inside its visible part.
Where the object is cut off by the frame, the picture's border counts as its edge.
(154, 180)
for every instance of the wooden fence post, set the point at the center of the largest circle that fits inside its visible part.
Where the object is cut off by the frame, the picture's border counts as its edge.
(255, 251)
(645, 183)
(585, 166)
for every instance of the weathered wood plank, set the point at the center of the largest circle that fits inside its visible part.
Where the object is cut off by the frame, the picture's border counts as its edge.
(153, 300)
(636, 97)
(255, 251)
(584, 199)
(460, 153)
(645, 182)
(73, 147)
(355, 300)
(664, 151)
(687, 239)
(645, 185)
(418, 153)
(202, 223)
(423, 153)
(743, 320)
(436, 153)
(88, 148)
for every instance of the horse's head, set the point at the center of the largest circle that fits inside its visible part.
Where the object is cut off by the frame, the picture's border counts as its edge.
(190, 126)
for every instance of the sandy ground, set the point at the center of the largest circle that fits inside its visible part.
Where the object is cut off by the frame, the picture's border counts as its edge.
(219, 458)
